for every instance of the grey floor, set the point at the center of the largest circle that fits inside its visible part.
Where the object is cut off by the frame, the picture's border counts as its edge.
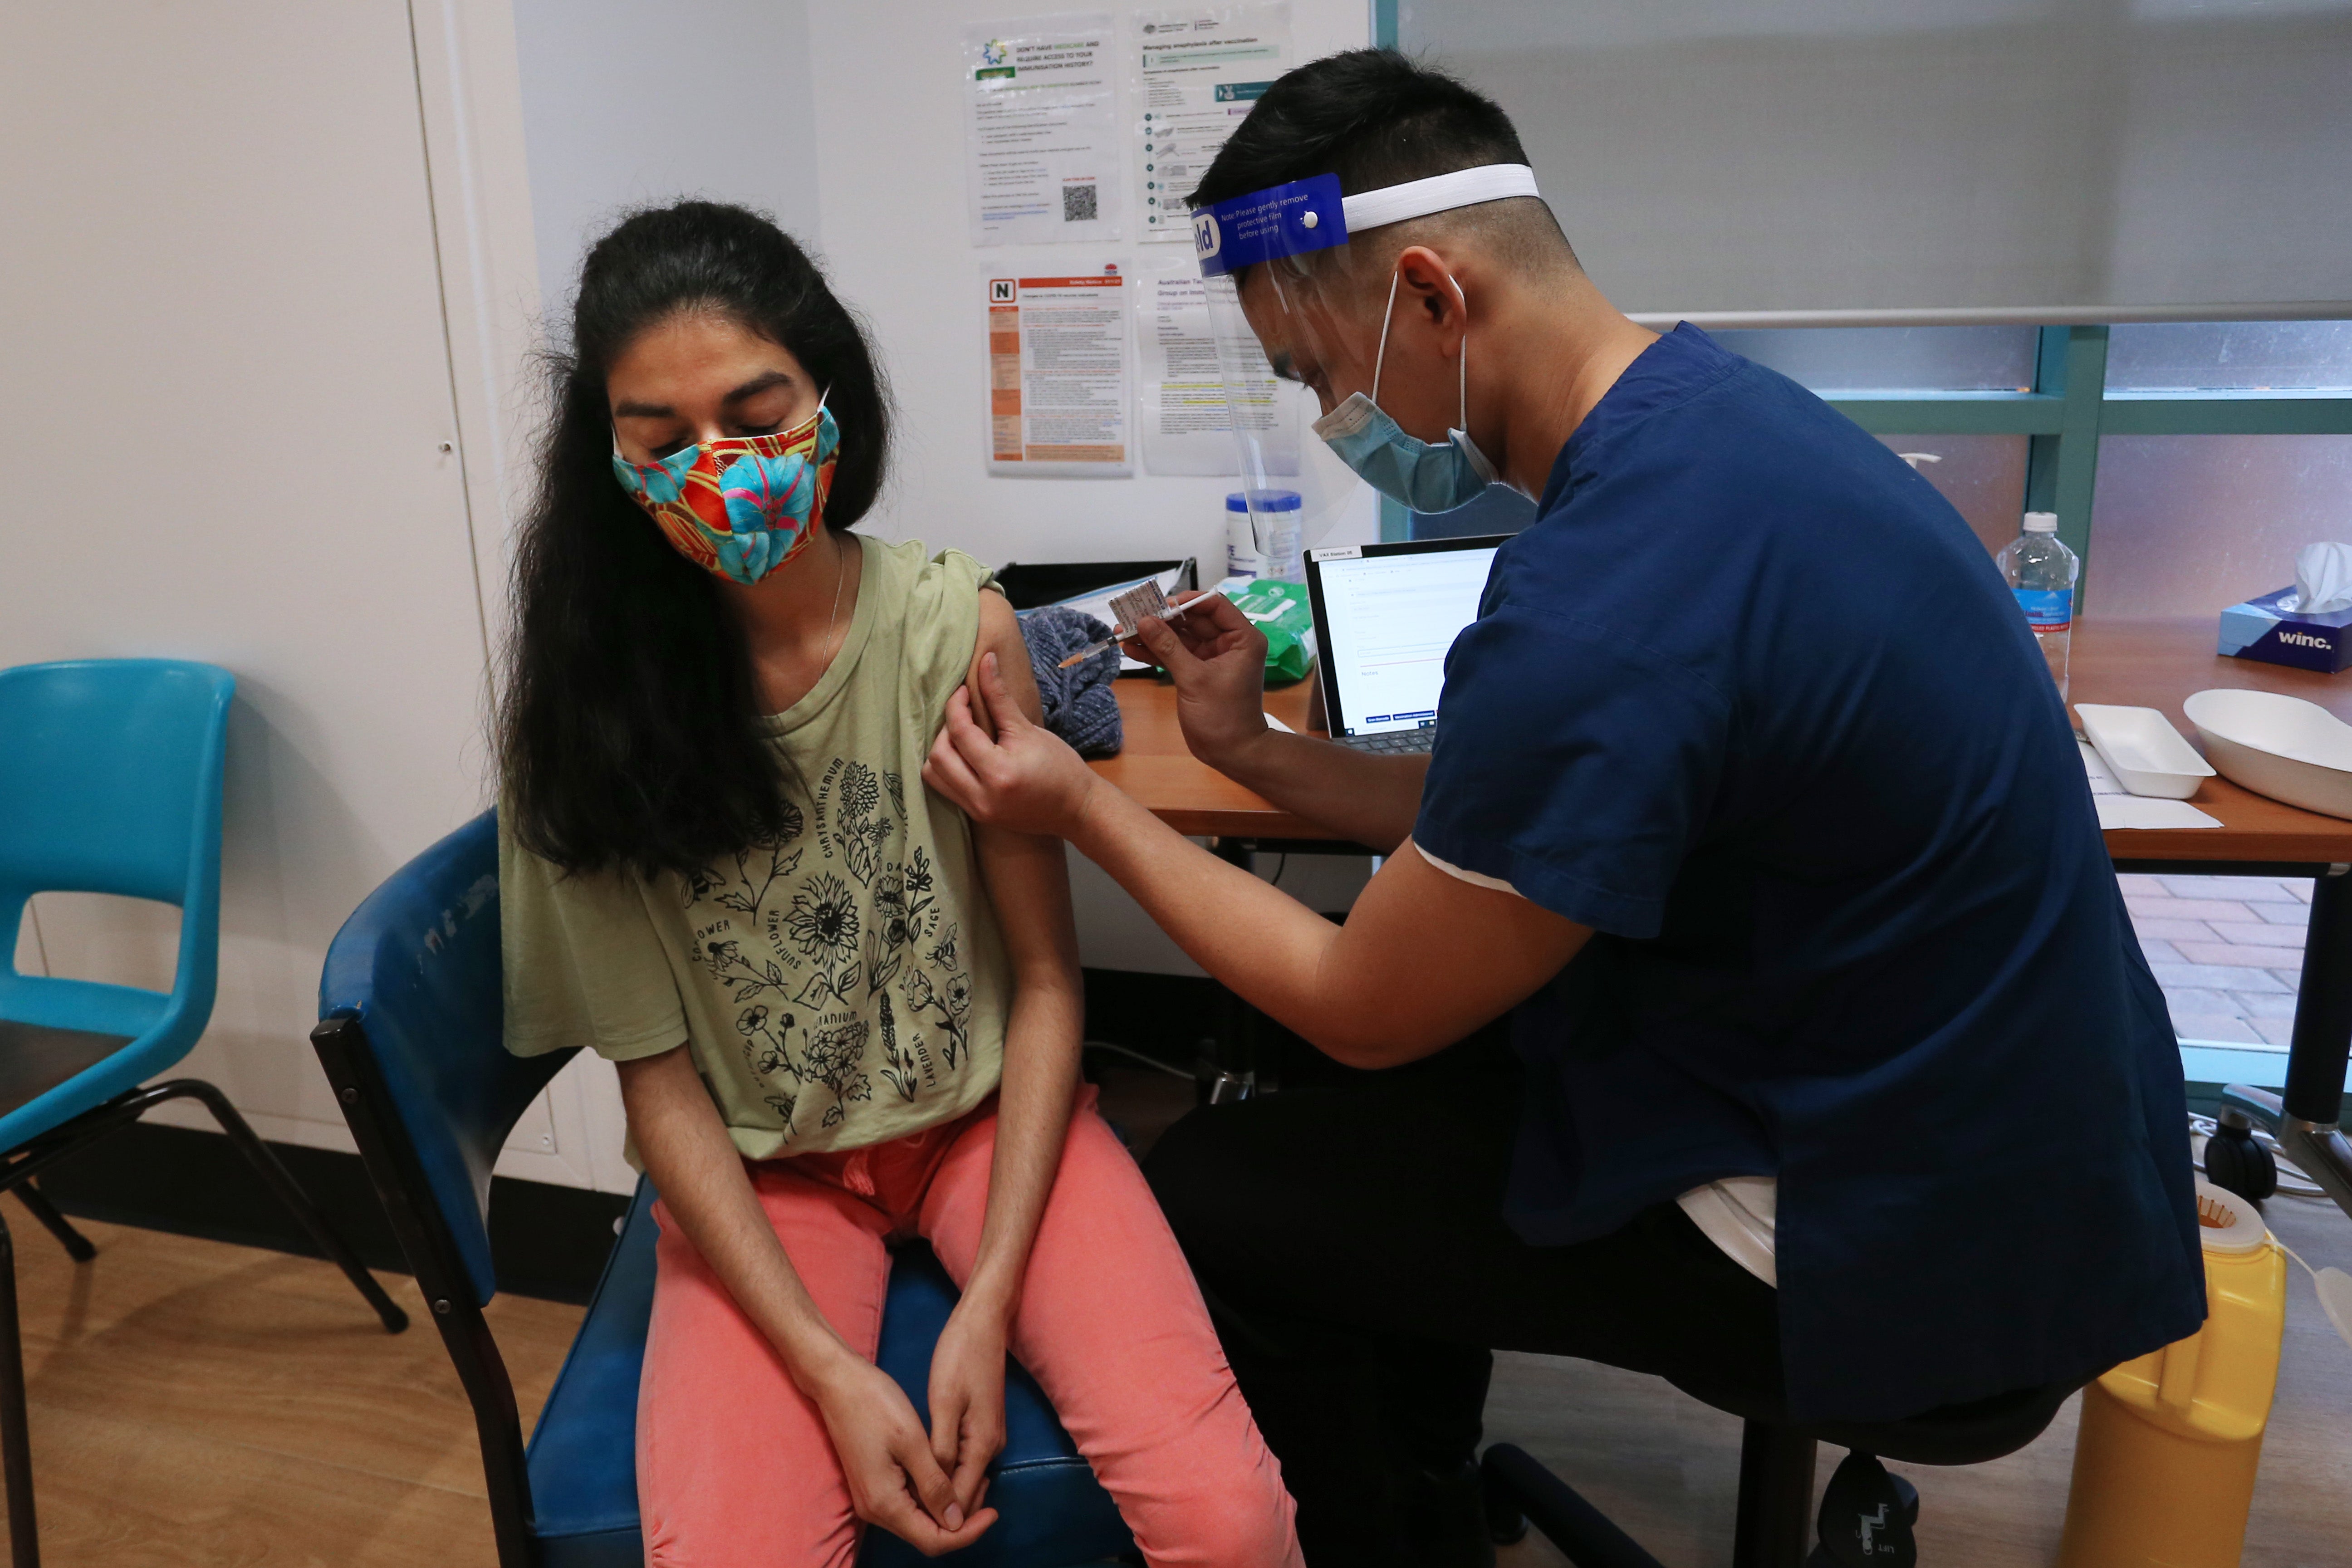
(2227, 950)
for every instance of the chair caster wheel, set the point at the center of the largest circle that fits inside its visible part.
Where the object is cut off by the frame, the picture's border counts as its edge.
(2235, 1161)
(1506, 1524)
(1867, 1519)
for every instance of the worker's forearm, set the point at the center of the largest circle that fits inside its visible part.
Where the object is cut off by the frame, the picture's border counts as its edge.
(1042, 1036)
(1267, 947)
(1368, 799)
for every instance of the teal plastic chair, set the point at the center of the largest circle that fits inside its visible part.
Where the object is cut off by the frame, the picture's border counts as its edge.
(109, 782)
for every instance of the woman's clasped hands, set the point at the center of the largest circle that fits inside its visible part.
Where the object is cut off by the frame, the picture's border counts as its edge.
(927, 1489)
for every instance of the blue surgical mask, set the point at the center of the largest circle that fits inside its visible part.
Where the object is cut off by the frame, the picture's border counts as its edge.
(1423, 477)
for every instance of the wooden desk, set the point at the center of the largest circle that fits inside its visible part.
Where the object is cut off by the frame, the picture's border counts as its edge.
(1190, 796)
(2152, 664)
(2159, 664)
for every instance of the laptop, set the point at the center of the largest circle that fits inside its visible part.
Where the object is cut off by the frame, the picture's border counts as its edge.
(1385, 616)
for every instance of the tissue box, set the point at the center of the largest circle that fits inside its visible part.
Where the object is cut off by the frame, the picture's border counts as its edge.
(2259, 629)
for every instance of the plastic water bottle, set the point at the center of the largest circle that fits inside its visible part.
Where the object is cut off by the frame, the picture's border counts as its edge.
(2041, 571)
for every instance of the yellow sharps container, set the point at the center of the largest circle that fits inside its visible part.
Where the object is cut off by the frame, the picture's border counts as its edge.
(2164, 1466)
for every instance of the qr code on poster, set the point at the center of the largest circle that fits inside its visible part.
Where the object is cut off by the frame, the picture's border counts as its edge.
(1079, 203)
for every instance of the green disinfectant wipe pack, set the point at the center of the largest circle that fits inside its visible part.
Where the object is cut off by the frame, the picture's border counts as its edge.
(1280, 611)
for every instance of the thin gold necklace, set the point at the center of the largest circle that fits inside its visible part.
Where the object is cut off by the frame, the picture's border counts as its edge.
(840, 576)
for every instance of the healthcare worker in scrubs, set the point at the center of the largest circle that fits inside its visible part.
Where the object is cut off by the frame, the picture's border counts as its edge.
(1836, 1086)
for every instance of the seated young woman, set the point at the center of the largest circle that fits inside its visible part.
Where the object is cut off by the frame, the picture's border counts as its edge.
(844, 1014)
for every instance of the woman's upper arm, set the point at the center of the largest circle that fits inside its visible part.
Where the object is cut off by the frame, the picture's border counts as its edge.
(664, 1098)
(1028, 879)
(1000, 634)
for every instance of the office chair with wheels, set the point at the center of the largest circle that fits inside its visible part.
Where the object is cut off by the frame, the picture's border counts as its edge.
(411, 1036)
(109, 782)
(1866, 1514)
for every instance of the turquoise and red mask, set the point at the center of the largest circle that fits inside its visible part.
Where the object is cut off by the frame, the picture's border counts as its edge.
(741, 506)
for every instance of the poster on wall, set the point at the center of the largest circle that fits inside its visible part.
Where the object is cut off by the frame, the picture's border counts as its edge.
(1057, 374)
(1041, 131)
(1182, 400)
(1192, 77)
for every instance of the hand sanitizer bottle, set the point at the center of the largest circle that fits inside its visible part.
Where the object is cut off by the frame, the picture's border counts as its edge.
(2041, 571)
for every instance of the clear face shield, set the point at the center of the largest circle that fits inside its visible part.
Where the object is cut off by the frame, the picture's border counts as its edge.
(1288, 246)
(1298, 315)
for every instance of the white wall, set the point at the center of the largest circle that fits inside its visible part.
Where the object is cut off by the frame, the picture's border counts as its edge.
(631, 101)
(845, 123)
(1732, 155)
(277, 422)
(264, 348)
(223, 331)
(890, 146)
(889, 140)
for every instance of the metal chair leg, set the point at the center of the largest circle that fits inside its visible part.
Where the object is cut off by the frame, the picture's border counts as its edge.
(77, 1244)
(1775, 1528)
(16, 1433)
(289, 1192)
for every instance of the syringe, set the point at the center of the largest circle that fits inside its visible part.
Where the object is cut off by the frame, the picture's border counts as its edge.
(1139, 604)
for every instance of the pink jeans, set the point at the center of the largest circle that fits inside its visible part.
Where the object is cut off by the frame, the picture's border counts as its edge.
(734, 1468)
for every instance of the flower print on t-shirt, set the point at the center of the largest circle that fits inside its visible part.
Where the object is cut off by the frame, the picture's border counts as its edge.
(841, 953)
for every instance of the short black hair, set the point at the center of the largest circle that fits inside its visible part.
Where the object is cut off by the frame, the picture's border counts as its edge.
(1372, 116)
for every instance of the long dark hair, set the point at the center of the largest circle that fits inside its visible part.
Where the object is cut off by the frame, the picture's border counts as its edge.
(627, 728)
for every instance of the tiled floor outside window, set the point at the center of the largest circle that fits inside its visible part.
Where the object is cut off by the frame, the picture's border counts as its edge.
(2227, 950)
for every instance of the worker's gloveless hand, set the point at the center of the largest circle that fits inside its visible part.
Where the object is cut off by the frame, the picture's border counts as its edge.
(1217, 658)
(1022, 777)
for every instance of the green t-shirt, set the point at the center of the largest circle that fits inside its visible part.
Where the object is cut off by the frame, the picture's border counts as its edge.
(839, 987)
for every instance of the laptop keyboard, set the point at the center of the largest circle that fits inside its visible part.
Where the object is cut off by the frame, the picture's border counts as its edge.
(1394, 743)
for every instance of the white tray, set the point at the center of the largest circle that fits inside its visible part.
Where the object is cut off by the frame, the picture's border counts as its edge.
(2143, 750)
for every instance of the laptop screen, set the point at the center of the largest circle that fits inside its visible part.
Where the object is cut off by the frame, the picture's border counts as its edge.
(1384, 618)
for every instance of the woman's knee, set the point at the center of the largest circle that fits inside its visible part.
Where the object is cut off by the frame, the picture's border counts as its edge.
(1247, 1522)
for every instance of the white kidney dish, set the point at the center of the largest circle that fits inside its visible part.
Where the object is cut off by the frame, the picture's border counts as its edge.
(2143, 750)
(2280, 746)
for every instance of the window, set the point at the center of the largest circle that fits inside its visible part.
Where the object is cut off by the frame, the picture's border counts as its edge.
(1834, 360)
(2234, 356)
(2187, 524)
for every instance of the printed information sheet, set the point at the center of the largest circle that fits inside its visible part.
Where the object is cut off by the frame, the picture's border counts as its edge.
(1057, 375)
(1041, 130)
(1194, 75)
(1184, 403)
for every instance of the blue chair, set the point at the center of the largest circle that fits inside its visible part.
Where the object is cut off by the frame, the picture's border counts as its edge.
(109, 782)
(410, 1038)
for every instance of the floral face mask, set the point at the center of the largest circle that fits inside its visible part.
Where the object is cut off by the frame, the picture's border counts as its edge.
(741, 506)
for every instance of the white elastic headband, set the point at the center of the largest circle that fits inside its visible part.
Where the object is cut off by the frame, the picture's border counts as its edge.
(1439, 193)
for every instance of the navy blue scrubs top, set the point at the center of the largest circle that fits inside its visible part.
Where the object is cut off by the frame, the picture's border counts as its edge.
(1750, 700)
